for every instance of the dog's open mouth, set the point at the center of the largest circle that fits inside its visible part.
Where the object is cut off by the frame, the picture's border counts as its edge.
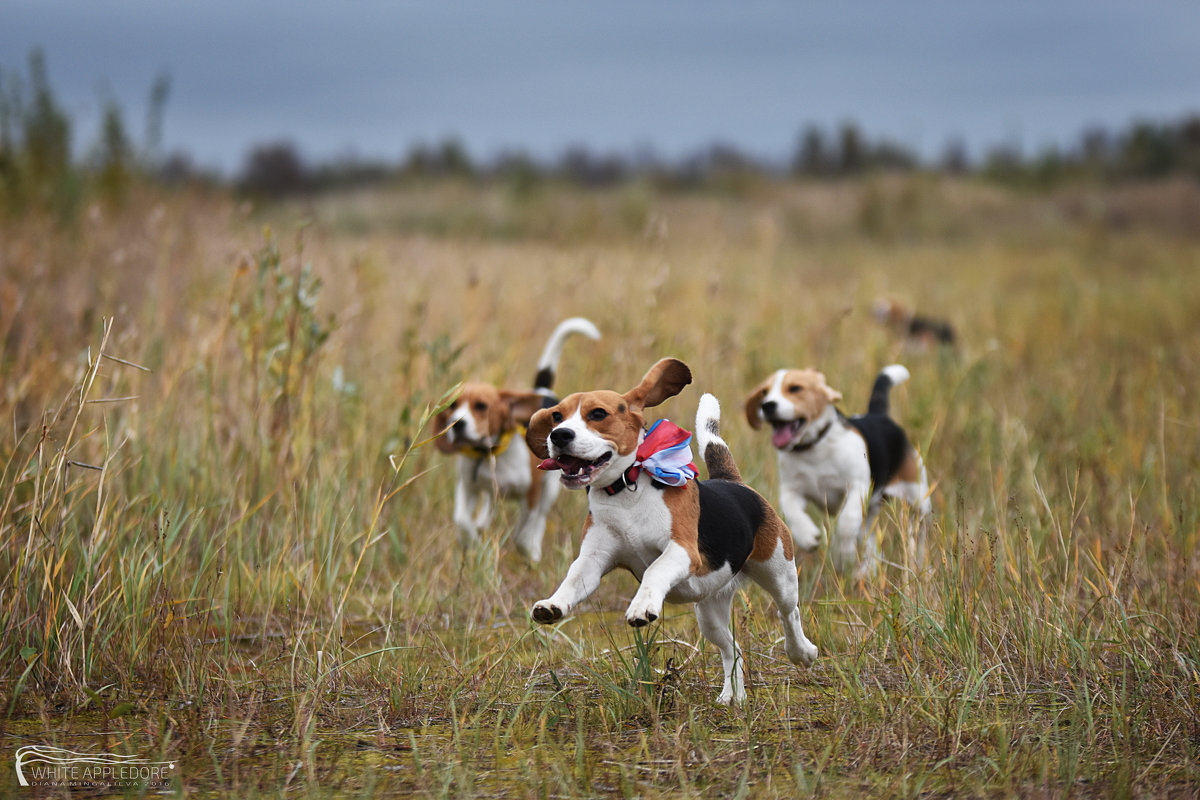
(786, 432)
(577, 472)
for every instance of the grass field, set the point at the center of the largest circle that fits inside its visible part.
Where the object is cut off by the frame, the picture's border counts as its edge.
(225, 542)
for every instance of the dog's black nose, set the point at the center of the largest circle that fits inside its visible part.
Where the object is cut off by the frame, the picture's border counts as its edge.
(561, 437)
(459, 426)
(768, 408)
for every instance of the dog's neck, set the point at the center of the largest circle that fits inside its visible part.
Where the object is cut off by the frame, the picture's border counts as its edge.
(822, 431)
(481, 452)
(629, 480)
(665, 453)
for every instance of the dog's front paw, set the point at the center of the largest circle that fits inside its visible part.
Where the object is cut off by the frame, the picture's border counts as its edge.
(641, 613)
(546, 612)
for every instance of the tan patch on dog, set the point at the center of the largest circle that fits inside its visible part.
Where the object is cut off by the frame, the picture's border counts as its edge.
(539, 430)
(619, 422)
(493, 411)
(440, 424)
(808, 392)
(754, 402)
(805, 389)
(891, 312)
(770, 533)
(616, 417)
(684, 504)
(661, 382)
(910, 469)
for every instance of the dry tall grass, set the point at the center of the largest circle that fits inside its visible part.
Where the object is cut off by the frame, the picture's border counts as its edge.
(221, 542)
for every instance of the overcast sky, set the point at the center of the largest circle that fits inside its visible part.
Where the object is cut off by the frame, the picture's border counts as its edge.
(375, 77)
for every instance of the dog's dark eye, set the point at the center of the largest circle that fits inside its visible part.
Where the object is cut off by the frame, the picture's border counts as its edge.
(557, 417)
(597, 414)
(795, 388)
(480, 406)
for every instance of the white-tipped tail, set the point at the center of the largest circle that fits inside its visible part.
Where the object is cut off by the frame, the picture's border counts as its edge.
(713, 449)
(554, 345)
(708, 423)
(896, 373)
(889, 376)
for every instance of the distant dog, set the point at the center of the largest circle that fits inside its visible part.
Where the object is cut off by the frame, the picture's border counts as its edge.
(485, 427)
(686, 541)
(837, 462)
(923, 331)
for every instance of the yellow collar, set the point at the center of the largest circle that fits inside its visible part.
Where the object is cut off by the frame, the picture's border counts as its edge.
(505, 440)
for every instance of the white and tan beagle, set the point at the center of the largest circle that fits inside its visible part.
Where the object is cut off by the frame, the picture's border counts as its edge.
(484, 427)
(693, 542)
(842, 465)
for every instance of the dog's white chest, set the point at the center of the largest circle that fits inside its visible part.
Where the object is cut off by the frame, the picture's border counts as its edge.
(635, 525)
(507, 473)
(637, 531)
(823, 474)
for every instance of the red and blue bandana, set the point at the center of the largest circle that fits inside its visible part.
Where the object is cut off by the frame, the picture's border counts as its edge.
(666, 453)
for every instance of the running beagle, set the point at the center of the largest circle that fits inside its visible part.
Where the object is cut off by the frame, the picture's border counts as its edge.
(484, 428)
(686, 541)
(837, 462)
(918, 330)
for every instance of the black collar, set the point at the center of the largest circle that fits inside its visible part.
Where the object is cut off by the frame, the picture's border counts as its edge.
(800, 448)
(628, 480)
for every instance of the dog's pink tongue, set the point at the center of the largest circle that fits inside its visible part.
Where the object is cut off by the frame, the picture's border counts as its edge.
(783, 435)
(549, 464)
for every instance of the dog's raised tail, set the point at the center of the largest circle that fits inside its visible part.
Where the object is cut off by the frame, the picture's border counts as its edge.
(712, 447)
(889, 376)
(548, 363)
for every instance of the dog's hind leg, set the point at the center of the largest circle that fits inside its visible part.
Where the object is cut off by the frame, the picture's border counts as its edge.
(916, 494)
(869, 538)
(777, 575)
(849, 529)
(712, 614)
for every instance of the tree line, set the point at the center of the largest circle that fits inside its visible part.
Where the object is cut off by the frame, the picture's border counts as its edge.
(1144, 150)
(38, 169)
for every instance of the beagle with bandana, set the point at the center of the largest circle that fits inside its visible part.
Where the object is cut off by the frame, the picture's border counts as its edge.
(839, 464)
(686, 541)
(484, 428)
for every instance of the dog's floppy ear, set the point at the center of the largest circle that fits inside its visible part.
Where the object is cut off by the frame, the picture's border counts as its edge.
(663, 381)
(754, 401)
(538, 431)
(831, 394)
(522, 405)
(440, 424)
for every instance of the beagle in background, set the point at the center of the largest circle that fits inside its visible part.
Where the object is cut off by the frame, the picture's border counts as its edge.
(843, 465)
(917, 329)
(686, 541)
(484, 427)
